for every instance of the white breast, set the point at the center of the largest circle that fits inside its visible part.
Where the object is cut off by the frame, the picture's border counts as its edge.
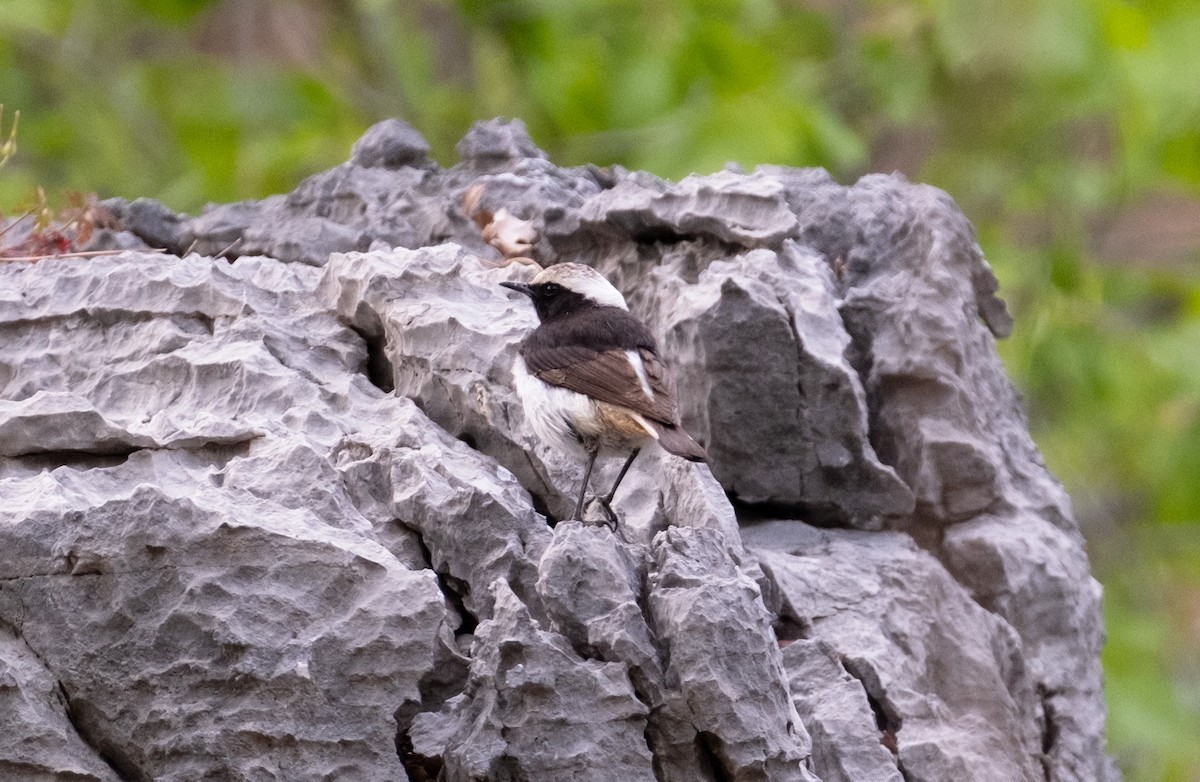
(551, 410)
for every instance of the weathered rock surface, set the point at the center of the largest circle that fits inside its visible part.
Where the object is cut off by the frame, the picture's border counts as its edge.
(534, 709)
(278, 514)
(40, 743)
(791, 433)
(943, 671)
(833, 705)
(699, 603)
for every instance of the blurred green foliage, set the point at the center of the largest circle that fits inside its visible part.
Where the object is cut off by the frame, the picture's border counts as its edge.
(1068, 130)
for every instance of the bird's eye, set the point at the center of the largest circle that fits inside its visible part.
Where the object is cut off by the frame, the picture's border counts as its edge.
(551, 289)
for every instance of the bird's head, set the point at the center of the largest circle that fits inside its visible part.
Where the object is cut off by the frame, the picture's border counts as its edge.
(568, 287)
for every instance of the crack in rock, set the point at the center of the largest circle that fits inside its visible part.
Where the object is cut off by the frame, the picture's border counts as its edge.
(53, 743)
(91, 729)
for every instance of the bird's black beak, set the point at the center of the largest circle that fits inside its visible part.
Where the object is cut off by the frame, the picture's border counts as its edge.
(520, 287)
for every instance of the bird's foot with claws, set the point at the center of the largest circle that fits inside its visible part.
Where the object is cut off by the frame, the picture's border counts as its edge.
(606, 515)
(609, 514)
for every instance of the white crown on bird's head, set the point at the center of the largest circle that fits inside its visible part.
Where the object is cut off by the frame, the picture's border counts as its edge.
(583, 280)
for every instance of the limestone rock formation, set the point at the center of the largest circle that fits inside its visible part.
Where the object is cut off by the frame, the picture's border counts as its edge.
(271, 509)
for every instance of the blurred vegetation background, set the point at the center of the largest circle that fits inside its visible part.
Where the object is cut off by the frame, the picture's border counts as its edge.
(1068, 131)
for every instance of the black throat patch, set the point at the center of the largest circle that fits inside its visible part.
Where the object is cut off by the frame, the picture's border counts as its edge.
(553, 301)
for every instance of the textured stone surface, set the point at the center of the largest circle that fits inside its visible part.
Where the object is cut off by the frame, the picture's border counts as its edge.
(846, 739)
(946, 674)
(207, 596)
(702, 656)
(724, 666)
(446, 335)
(278, 514)
(533, 709)
(739, 209)
(150, 221)
(592, 588)
(1035, 575)
(155, 599)
(40, 744)
(392, 143)
(789, 432)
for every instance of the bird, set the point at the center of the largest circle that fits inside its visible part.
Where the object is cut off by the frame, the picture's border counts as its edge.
(590, 377)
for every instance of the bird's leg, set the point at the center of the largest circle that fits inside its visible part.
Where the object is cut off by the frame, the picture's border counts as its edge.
(606, 500)
(621, 476)
(587, 475)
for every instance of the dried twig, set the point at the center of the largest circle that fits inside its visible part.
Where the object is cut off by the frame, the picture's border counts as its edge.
(236, 242)
(13, 224)
(87, 254)
(9, 148)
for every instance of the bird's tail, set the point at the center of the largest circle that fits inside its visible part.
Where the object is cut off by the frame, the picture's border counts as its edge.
(674, 440)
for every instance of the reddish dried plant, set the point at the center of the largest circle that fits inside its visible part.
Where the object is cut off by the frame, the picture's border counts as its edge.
(47, 235)
(50, 235)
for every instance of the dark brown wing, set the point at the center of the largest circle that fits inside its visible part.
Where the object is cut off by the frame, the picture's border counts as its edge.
(609, 376)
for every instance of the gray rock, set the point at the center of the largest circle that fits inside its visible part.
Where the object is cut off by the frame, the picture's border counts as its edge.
(592, 588)
(946, 674)
(346, 208)
(155, 597)
(58, 421)
(392, 143)
(109, 240)
(309, 240)
(149, 220)
(497, 143)
(447, 298)
(270, 520)
(40, 744)
(729, 697)
(404, 302)
(846, 741)
(786, 432)
(944, 414)
(749, 211)
(190, 560)
(1035, 575)
(221, 229)
(496, 534)
(533, 709)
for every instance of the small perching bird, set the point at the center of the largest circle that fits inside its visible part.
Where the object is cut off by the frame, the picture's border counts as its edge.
(590, 378)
